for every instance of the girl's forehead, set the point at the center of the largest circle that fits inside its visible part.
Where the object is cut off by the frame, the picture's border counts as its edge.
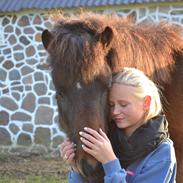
(117, 87)
(123, 92)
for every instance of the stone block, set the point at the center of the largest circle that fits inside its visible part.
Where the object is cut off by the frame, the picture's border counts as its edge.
(29, 102)
(20, 116)
(43, 136)
(44, 115)
(8, 103)
(24, 139)
(4, 118)
(5, 138)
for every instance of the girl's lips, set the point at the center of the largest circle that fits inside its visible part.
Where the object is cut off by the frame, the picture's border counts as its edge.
(119, 119)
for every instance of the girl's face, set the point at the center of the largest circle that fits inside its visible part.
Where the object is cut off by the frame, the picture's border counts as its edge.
(127, 110)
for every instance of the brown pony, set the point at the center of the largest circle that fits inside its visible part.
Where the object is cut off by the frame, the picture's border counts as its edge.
(84, 52)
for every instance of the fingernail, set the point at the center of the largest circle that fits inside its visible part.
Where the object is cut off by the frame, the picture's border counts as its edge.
(80, 133)
(85, 128)
(82, 146)
(81, 138)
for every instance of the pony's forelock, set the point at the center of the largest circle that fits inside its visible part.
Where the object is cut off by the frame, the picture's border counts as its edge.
(75, 42)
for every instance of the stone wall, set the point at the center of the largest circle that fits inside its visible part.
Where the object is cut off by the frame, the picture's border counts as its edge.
(28, 111)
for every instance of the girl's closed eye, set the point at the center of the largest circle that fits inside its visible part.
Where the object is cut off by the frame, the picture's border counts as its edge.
(123, 104)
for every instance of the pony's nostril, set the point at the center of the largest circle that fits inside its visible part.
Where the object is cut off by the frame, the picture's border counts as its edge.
(93, 171)
(87, 168)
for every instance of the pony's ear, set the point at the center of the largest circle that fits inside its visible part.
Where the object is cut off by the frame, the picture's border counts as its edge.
(46, 38)
(106, 36)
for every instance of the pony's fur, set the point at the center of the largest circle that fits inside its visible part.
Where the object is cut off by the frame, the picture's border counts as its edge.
(88, 47)
(147, 46)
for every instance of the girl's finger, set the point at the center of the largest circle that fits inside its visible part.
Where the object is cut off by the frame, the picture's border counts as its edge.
(67, 148)
(89, 137)
(103, 134)
(93, 133)
(88, 150)
(70, 159)
(68, 154)
(70, 151)
(87, 143)
(65, 143)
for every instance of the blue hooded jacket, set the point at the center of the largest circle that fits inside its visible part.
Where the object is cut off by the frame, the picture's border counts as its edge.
(159, 166)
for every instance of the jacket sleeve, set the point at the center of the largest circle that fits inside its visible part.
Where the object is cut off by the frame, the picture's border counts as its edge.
(161, 172)
(74, 177)
(114, 173)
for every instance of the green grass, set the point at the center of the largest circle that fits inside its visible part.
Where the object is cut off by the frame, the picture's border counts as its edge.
(3, 156)
(35, 179)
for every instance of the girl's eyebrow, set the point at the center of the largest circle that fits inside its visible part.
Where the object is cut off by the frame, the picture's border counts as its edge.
(119, 101)
(123, 101)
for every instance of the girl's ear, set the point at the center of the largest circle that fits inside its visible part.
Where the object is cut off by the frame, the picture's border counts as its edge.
(147, 102)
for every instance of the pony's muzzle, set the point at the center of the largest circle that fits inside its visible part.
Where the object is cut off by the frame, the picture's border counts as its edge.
(93, 171)
(90, 168)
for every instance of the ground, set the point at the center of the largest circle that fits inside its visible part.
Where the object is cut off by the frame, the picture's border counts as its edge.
(21, 166)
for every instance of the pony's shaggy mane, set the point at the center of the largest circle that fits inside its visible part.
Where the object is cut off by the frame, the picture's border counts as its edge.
(146, 46)
(149, 47)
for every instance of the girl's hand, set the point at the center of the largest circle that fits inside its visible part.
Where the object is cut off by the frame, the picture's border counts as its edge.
(97, 144)
(67, 151)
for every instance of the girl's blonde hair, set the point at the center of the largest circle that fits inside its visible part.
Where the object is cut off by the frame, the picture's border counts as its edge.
(143, 86)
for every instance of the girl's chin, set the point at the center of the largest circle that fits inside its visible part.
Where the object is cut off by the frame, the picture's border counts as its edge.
(120, 125)
(119, 121)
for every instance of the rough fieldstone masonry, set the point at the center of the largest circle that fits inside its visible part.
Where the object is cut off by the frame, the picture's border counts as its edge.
(28, 111)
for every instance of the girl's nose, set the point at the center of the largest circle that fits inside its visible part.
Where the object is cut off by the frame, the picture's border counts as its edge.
(115, 111)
